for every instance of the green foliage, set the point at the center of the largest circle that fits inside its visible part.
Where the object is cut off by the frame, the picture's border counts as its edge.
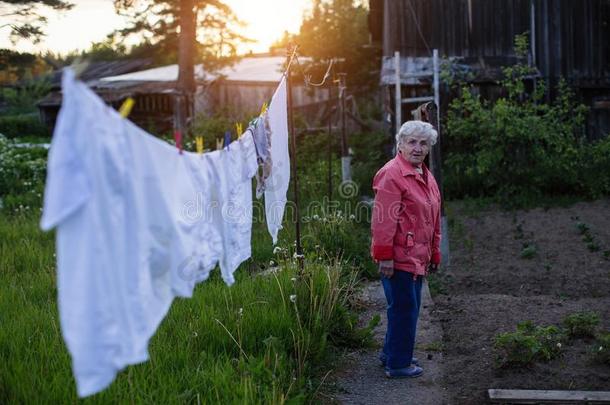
(601, 349)
(22, 173)
(582, 228)
(587, 237)
(158, 21)
(23, 99)
(519, 146)
(264, 340)
(369, 156)
(16, 126)
(27, 19)
(581, 324)
(337, 29)
(528, 344)
(529, 251)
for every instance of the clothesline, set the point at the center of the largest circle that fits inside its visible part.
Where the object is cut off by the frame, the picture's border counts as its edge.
(139, 224)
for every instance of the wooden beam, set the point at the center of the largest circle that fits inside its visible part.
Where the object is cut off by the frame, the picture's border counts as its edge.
(548, 396)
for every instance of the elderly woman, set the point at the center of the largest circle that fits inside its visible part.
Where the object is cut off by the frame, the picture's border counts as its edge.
(405, 241)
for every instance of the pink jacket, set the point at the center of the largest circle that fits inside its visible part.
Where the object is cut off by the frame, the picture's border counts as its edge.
(405, 226)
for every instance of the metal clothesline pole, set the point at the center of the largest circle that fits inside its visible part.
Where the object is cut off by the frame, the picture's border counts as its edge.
(293, 165)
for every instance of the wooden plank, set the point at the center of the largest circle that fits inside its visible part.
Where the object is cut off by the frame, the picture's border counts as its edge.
(548, 396)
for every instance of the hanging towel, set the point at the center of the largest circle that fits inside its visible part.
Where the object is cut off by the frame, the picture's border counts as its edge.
(276, 185)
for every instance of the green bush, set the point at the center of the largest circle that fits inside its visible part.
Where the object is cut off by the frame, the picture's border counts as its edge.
(23, 99)
(528, 344)
(601, 350)
(581, 324)
(16, 126)
(520, 146)
(22, 174)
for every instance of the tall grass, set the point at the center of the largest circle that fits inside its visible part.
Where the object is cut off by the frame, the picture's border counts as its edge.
(268, 339)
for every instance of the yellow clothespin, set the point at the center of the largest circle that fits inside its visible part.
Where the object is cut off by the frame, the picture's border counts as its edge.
(219, 144)
(199, 144)
(239, 129)
(126, 107)
(264, 108)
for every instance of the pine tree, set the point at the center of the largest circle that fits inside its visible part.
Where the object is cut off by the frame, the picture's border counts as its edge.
(26, 20)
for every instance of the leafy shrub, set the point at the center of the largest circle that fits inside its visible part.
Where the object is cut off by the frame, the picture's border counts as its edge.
(338, 234)
(22, 173)
(23, 99)
(15, 126)
(520, 146)
(529, 343)
(601, 350)
(581, 324)
(528, 251)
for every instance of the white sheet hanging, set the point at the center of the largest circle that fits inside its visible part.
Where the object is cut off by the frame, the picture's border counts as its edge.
(276, 186)
(137, 225)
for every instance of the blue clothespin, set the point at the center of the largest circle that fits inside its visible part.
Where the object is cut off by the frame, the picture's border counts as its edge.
(227, 138)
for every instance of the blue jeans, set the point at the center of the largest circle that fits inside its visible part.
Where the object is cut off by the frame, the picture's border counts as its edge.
(403, 295)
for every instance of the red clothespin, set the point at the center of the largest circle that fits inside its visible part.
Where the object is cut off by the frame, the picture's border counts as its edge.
(178, 139)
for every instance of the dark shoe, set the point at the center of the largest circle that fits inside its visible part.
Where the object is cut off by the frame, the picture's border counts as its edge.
(384, 359)
(408, 372)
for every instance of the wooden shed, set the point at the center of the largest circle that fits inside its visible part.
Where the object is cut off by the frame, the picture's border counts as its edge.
(242, 88)
(568, 39)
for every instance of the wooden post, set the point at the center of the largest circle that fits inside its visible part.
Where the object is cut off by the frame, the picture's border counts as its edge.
(293, 165)
(330, 139)
(346, 172)
(397, 95)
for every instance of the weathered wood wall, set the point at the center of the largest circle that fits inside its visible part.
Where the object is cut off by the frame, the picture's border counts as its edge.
(568, 38)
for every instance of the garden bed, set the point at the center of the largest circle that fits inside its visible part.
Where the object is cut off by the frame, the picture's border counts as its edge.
(509, 267)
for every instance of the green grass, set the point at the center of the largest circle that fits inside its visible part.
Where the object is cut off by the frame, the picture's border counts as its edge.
(250, 343)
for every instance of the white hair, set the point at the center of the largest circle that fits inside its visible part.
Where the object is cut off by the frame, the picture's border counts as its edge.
(413, 128)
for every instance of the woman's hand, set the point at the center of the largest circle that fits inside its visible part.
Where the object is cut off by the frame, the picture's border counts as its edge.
(433, 268)
(386, 268)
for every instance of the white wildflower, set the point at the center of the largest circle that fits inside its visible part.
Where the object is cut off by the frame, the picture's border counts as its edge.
(559, 345)
(277, 250)
(316, 217)
(240, 312)
(352, 217)
(271, 263)
(293, 298)
(294, 279)
(600, 348)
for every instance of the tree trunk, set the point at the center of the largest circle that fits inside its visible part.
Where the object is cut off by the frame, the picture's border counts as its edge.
(186, 70)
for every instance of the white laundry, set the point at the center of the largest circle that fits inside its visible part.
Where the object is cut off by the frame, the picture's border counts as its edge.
(230, 208)
(276, 185)
(132, 229)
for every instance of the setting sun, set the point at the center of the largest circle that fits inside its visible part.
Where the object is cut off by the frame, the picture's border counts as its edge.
(91, 20)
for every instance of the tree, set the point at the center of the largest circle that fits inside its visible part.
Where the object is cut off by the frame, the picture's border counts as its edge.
(338, 29)
(26, 17)
(158, 22)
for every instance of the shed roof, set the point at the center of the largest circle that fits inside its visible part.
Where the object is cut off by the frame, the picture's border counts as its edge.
(266, 69)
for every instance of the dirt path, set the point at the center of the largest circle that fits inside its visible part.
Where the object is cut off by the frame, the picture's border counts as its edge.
(362, 380)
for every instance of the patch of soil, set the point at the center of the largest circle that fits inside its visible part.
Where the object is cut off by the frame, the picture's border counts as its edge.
(490, 288)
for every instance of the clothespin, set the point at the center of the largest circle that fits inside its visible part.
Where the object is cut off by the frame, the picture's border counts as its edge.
(239, 129)
(227, 138)
(178, 139)
(199, 144)
(219, 144)
(126, 107)
(264, 108)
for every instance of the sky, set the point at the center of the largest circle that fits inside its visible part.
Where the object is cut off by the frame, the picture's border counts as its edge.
(90, 20)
